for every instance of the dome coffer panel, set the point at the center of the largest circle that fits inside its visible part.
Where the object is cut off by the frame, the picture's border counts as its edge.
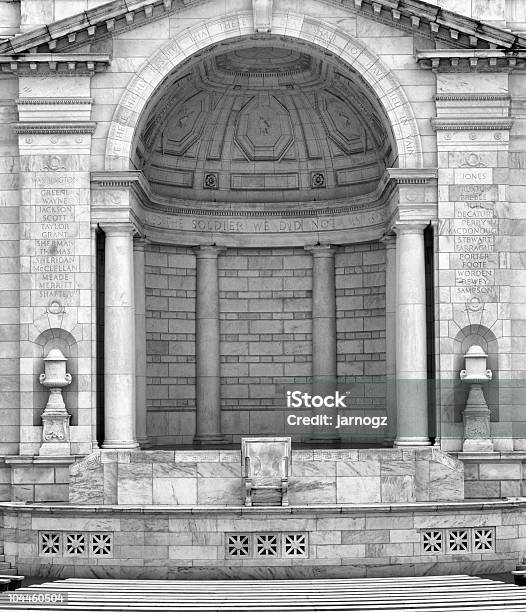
(264, 124)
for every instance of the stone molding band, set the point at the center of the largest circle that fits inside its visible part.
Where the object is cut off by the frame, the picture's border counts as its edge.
(468, 97)
(54, 101)
(72, 127)
(461, 123)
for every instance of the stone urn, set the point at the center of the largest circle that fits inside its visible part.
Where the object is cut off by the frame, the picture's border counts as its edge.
(55, 418)
(476, 415)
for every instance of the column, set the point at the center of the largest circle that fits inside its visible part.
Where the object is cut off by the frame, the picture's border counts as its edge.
(390, 337)
(140, 340)
(411, 351)
(324, 334)
(119, 338)
(208, 396)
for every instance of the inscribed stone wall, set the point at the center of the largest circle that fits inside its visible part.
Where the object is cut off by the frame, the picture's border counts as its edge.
(9, 270)
(474, 246)
(517, 212)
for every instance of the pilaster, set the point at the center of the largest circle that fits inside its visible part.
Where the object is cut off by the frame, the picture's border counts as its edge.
(56, 305)
(389, 242)
(140, 340)
(473, 126)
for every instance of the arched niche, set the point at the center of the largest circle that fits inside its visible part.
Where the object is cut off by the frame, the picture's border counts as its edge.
(485, 338)
(55, 338)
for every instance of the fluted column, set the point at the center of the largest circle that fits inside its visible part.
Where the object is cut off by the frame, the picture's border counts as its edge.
(390, 337)
(140, 340)
(208, 396)
(411, 349)
(324, 334)
(119, 338)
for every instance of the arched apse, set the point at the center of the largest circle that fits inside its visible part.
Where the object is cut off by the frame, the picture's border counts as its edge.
(317, 33)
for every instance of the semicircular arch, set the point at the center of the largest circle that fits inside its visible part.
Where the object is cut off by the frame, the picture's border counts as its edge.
(317, 32)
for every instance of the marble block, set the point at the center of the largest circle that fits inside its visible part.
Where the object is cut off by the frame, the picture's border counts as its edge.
(136, 490)
(179, 491)
(397, 488)
(220, 491)
(445, 484)
(358, 490)
(312, 490)
(369, 467)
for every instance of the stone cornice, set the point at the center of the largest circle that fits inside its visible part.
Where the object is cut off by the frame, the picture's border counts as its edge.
(47, 127)
(409, 15)
(135, 180)
(58, 64)
(54, 100)
(126, 178)
(472, 123)
(412, 176)
(438, 23)
(467, 60)
(472, 97)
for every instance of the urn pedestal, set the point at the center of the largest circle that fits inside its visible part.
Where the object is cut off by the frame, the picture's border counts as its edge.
(476, 415)
(55, 418)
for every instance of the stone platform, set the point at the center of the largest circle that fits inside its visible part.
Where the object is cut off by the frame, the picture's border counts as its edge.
(340, 476)
(220, 542)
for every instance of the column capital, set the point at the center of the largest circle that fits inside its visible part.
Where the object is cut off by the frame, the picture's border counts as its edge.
(410, 227)
(120, 228)
(321, 250)
(139, 243)
(208, 251)
(389, 241)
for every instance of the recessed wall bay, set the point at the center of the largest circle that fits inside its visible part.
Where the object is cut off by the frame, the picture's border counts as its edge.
(265, 305)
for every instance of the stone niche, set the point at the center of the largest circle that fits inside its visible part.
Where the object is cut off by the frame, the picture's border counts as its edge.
(317, 477)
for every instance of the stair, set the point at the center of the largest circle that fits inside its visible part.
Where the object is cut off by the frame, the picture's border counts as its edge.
(5, 566)
(430, 593)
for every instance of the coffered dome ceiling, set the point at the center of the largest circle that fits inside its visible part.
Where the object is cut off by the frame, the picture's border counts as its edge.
(263, 124)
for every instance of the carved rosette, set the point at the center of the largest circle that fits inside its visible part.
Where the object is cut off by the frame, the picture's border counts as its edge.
(55, 418)
(476, 415)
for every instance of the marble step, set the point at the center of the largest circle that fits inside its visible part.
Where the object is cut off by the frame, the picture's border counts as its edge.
(432, 594)
(13, 581)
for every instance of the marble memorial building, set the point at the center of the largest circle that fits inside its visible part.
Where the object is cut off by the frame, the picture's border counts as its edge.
(206, 205)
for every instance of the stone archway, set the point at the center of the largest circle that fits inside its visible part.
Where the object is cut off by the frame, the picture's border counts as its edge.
(172, 226)
(200, 39)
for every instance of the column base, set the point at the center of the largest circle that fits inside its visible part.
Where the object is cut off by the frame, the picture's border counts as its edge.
(412, 441)
(120, 444)
(144, 442)
(205, 439)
